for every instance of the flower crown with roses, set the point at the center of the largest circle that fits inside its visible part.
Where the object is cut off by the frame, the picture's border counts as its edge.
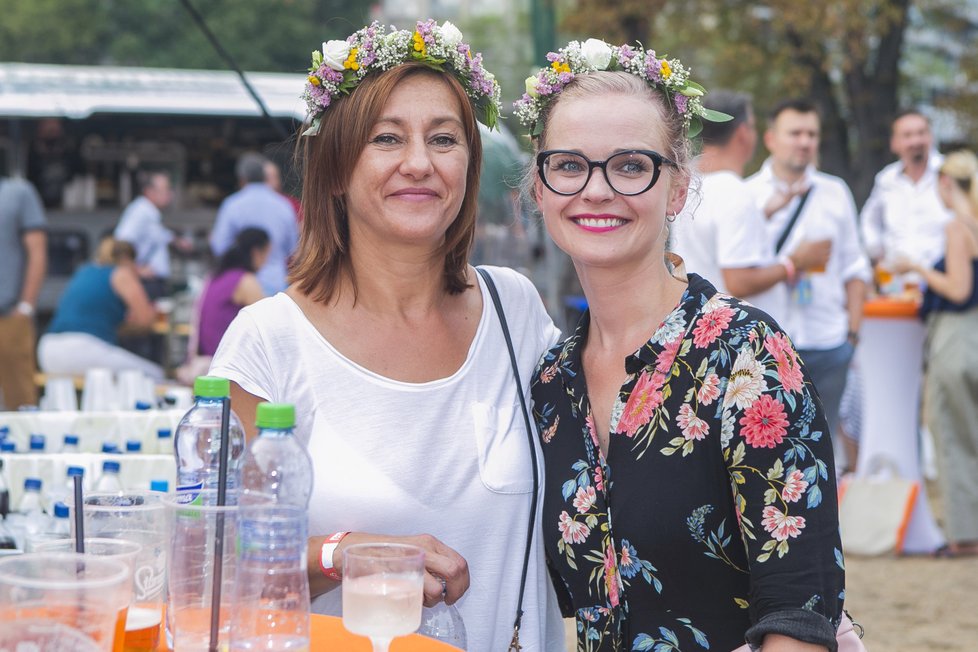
(666, 75)
(342, 65)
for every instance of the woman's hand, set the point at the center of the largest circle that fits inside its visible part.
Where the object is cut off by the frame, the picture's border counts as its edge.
(780, 643)
(441, 563)
(903, 265)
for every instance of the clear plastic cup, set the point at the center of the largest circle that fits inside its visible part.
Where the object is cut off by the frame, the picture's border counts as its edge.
(63, 602)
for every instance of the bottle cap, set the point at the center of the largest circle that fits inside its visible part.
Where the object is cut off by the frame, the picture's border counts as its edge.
(110, 467)
(275, 415)
(212, 387)
(159, 485)
(32, 484)
(134, 446)
(37, 442)
(75, 470)
(164, 433)
(60, 510)
(109, 447)
(8, 447)
(71, 440)
(143, 405)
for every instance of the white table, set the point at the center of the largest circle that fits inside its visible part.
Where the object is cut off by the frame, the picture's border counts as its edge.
(890, 358)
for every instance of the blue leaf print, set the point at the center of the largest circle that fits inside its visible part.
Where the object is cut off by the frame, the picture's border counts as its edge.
(643, 642)
(814, 497)
(838, 559)
(669, 635)
(700, 637)
(569, 488)
(823, 469)
(815, 436)
(579, 465)
(810, 474)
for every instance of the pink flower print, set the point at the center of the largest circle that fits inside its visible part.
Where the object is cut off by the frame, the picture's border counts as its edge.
(692, 426)
(789, 373)
(645, 397)
(746, 383)
(584, 500)
(794, 487)
(780, 525)
(710, 325)
(549, 373)
(778, 345)
(572, 531)
(592, 429)
(549, 433)
(764, 423)
(611, 575)
(710, 390)
(599, 478)
(668, 356)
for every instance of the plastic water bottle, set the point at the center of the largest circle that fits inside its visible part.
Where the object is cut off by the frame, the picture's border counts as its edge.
(8, 447)
(70, 444)
(4, 494)
(277, 464)
(37, 443)
(66, 492)
(197, 445)
(60, 525)
(443, 623)
(109, 480)
(164, 441)
(30, 519)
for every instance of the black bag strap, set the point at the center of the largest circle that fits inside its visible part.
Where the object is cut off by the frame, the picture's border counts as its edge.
(514, 645)
(792, 221)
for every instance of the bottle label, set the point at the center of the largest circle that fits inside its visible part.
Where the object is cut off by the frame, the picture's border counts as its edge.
(189, 494)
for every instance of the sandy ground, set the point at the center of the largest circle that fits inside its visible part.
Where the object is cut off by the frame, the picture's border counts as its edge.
(909, 604)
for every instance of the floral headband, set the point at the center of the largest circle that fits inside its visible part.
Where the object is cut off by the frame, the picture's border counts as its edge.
(666, 75)
(341, 66)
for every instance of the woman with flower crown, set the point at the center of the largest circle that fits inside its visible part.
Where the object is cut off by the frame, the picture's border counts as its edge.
(690, 498)
(389, 345)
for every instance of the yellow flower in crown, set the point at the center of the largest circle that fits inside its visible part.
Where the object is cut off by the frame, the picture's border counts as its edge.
(314, 80)
(351, 61)
(560, 67)
(419, 44)
(666, 70)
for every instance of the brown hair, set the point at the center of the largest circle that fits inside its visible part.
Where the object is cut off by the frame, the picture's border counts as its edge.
(605, 82)
(330, 159)
(962, 167)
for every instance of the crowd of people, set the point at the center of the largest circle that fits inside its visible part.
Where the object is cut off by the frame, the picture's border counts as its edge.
(689, 428)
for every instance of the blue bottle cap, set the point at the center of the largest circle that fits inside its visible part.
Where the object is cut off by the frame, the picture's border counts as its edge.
(37, 442)
(60, 510)
(134, 446)
(159, 485)
(8, 447)
(71, 440)
(143, 405)
(109, 447)
(164, 433)
(32, 484)
(109, 466)
(76, 470)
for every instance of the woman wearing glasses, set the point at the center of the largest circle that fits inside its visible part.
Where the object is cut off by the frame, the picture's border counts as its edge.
(690, 498)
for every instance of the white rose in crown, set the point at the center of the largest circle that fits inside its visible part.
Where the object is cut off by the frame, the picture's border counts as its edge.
(450, 34)
(597, 53)
(335, 53)
(531, 86)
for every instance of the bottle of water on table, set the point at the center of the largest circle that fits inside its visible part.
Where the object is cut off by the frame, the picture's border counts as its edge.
(277, 464)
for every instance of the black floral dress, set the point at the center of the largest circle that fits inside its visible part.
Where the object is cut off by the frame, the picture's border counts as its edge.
(714, 512)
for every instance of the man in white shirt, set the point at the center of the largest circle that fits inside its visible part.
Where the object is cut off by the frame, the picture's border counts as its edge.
(904, 216)
(141, 225)
(826, 306)
(718, 235)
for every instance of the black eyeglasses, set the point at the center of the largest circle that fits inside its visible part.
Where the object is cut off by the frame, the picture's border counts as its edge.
(631, 172)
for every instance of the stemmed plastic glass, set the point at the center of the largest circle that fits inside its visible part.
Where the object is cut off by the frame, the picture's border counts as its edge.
(382, 591)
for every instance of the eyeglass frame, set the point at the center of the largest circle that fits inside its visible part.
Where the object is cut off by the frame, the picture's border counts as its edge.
(658, 160)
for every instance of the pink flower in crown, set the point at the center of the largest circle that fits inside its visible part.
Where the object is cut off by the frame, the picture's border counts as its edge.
(794, 487)
(667, 356)
(780, 525)
(584, 500)
(642, 403)
(681, 102)
(711, 325)
(764, 423)
(692, 426)
(625, 54)
(571, 531)
(611, 580)
(710, 391)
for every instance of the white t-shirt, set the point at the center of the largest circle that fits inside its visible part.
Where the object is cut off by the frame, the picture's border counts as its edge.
(724, 231)
(821, 322)
(447, 457)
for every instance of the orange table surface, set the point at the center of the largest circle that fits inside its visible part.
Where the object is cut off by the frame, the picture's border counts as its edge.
(891, 308)
(328, 635)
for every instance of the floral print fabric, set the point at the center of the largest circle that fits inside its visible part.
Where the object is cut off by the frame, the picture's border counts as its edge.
(716, 504)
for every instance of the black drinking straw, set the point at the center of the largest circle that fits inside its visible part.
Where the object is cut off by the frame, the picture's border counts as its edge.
(79, 516)
(222, 478)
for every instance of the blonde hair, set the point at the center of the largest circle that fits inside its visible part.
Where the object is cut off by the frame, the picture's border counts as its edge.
(112, 252)
(962, 167)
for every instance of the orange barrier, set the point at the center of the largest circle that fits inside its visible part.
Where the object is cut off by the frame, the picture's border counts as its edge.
(891, 308)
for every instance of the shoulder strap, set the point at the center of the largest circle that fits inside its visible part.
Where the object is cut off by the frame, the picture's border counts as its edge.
(792, 221)
(494, 294)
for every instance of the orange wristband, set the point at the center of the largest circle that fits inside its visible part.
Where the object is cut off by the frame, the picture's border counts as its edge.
(326, 556)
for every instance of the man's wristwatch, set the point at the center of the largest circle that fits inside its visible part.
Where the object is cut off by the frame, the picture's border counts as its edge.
(25, 309)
